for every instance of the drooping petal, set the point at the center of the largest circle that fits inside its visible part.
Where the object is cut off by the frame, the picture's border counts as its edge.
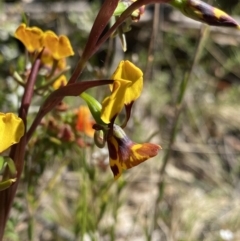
(59, 46)
(125, 154)
(11, 130)
(127, 87)
(113, 104)
(128, 71)
(84, 121)
(30, 37)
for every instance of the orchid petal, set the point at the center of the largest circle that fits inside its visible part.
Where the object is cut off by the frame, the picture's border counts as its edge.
(30, 37)
(125, 154)
(11, 130)
(59, 46)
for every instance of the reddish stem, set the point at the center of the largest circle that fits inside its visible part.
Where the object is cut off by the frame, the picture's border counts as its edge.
(127, 13)
(18, 151)
(74, 89)
(101, 21)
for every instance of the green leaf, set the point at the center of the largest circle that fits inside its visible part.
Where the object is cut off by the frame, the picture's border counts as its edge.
(6, 184)
(121, 7)
(94, 106)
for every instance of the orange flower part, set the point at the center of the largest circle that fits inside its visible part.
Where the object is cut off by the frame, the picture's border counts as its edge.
(84, 121)
(59, 46)
(30, 37)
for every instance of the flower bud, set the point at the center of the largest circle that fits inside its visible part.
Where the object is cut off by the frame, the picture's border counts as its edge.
(94, 106)
(205, 13)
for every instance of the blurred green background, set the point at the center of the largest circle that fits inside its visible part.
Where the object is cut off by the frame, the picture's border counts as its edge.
(68, 192)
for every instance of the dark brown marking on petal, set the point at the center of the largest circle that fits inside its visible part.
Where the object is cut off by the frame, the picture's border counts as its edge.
(124, 153)
(115, 170)
(123, 142)
(128, 109)
(112, 150)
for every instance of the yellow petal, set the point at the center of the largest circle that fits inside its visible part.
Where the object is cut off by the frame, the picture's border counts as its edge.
(127, 87)
(11, 130)
(30, 37)
(60, 47)
(113, 104)
(62, 64)
(59, 82)
(47, 58)
(128, 71)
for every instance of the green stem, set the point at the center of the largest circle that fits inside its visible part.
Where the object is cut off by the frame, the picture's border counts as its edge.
(173, 132)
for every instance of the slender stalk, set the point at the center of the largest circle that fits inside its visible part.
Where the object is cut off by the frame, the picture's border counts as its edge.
(127, 13)
(155, 45)
(18, 151)
(29, 89)
(101, 21)
(173, 132)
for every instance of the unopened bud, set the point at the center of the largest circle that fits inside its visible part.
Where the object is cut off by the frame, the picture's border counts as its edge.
(205, 13)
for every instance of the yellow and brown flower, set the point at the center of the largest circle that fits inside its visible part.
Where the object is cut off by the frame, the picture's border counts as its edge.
(125, 154)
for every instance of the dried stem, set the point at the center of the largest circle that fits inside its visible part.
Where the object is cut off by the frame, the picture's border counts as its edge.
(178, 108)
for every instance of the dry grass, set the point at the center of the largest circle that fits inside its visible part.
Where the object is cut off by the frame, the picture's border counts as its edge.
(75, 197)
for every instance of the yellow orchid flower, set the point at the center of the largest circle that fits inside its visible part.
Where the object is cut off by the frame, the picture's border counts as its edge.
(125, 154)
(59, 46)
(34, 39)
(11, 130)
(127, 87)
(30, 37)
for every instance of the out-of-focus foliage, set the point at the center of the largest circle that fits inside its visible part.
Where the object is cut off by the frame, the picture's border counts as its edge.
(67, 191)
